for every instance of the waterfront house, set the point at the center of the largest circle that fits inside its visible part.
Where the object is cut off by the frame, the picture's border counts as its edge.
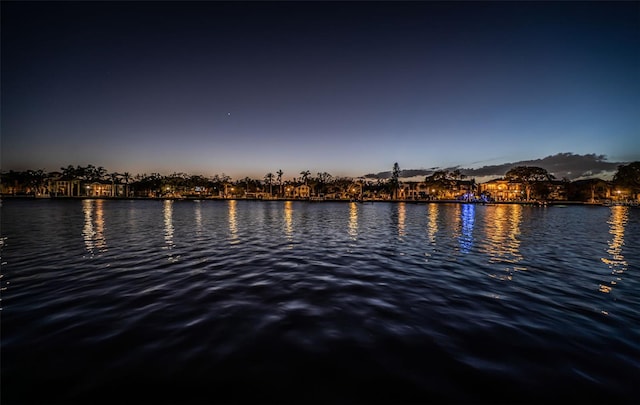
(589, 190)
(302, 191)
(462, 189)
(104, 188)
(415, 190)
(502, 190)
(557, 190)
(13, 187)
(65, 187)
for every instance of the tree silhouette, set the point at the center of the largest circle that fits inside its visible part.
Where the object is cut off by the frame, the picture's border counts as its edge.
(280, 173)
(628, 176)
(268, 178)
(394, 182)
(528, 176)
(305, 175)
(114, 178)
(126, 177)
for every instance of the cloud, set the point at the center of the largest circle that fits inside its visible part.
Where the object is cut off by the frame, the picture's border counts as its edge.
(562, 165)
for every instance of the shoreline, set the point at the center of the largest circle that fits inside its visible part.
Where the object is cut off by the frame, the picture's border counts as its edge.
(365, 201)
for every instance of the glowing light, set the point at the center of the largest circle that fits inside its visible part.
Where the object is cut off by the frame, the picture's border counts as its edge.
(401, 219)
(233, 220)
(432, 226)
(353, 221)
(93, 230)
(468, 218)
(101, 243)
(168, 225)
(502, 242)
(605, 289)
(198, 217)
(88, 232)
(616, 261)
(288, 221)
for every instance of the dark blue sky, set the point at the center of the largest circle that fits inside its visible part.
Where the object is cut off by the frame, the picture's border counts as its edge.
(346, 87)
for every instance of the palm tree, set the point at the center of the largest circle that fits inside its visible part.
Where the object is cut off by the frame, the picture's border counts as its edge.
(71, 175)
(247, 180)
(99, 173)
(268, 178)
(305, 175)
(114, 177)
(68, 172)
(36, 180)
(81, 172)
(126, 177)
(280, 173)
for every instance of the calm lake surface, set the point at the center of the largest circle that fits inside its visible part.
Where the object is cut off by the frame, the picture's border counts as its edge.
(270, 302)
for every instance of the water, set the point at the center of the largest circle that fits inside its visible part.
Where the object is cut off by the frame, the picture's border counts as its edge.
(297, 302)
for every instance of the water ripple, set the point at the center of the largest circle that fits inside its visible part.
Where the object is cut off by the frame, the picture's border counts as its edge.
(381, 302)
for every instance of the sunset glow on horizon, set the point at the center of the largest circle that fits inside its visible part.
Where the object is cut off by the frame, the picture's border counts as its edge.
(248, 88)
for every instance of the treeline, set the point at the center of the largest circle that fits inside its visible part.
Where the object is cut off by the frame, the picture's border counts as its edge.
(90, 180)
(156, 184)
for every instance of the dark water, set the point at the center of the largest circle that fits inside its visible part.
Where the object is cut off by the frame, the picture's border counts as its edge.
(274, 302)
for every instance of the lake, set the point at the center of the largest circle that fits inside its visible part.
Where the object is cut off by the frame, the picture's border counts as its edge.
(140, 301)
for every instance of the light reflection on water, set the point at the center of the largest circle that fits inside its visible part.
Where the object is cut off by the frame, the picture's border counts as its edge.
(168, 224)
(502, 230)
(353, 221)
(288, 221)
(402, 212)
(468, 218)
(88, 233)
(277, 290)
(616, 261)
(456, 223)
(93, 230)
(432, 227)
(198, 217)
(233, 221)
(169, 229)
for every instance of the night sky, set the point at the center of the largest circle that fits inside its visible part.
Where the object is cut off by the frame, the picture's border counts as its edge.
(345, 87)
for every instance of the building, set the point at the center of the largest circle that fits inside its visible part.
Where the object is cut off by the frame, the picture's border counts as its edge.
(103, 188)
(302, 191)
(502, 190)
